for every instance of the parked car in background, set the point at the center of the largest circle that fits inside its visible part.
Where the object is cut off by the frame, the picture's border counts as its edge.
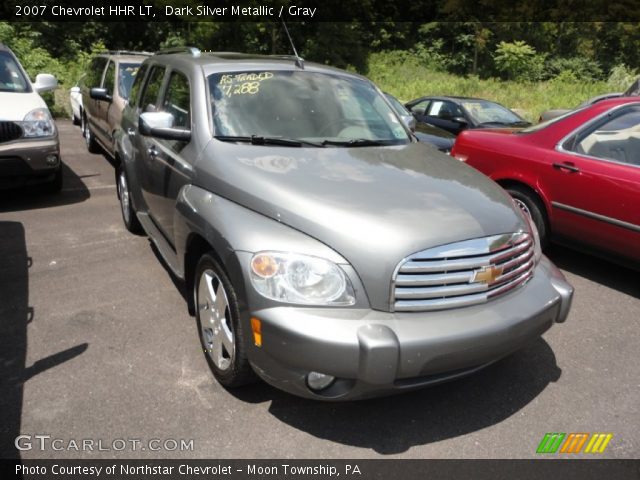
(29, 146)
(456, 114)
(325, 249)
(632, 91)
(75, 100)
(577, 176)
(439, 138)
(550, 114)
(105, 89)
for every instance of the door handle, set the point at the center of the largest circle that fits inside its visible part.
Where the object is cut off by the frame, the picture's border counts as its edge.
(153, 152)
(570, 167)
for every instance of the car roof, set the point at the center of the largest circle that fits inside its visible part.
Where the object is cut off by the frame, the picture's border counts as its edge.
(125, 55)
(454, 98)
(612, 102)
(212, 62)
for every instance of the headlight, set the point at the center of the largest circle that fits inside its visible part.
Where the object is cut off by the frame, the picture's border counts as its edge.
(38, 123)
(302, 279)
(537, 248)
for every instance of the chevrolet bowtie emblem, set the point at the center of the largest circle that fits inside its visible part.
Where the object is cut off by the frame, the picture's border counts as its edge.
(487, 274)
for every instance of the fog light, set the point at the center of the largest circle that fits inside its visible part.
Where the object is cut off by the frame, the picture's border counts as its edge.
(52, 160)
(319, 381)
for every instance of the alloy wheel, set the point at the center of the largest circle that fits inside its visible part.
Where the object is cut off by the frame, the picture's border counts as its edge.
(215, 320)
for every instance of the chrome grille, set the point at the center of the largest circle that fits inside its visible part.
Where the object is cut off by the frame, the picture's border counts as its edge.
(9, 131)
(462, 274)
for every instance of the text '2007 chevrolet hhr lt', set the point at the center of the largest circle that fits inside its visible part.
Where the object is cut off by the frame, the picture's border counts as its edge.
(326, 250)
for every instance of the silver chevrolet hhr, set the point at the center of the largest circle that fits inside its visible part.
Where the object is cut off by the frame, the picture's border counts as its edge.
(327, 251)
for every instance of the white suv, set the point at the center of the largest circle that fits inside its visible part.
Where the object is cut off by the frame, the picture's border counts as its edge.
(29, 145)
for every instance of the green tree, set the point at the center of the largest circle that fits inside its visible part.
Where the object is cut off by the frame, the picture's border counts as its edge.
(519, 61)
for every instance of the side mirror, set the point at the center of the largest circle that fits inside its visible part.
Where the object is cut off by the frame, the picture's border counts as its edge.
(75, 89)
(160, 125)
(100, 94)
(460, 121)
(410, 122)
(45, 82)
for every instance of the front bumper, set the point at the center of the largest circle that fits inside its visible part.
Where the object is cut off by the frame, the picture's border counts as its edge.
(25, 162)
(375, 353)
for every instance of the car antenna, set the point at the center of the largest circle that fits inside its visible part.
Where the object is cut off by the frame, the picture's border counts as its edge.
(299, 60)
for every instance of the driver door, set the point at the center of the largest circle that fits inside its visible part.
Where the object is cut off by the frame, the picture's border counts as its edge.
(595, 182)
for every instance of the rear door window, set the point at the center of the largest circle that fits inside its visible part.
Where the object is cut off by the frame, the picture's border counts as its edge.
(616, 138)
(94, 76)
(110, 78)
(420, 108)
(126, 76)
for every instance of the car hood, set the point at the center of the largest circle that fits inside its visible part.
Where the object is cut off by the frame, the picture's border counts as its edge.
(372, 205)
(16, 105)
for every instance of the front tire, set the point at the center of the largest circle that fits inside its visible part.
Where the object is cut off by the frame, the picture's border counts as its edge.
(531, 205)
(219, 326)
(129, 216)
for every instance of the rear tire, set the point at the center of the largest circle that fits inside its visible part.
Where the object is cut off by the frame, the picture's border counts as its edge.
(531, 205)
(219, 326)
(89, 137)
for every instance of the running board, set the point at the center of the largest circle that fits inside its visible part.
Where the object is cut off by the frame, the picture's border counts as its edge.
(166, 250)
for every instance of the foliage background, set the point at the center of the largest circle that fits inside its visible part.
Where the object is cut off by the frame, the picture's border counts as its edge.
(530, 66)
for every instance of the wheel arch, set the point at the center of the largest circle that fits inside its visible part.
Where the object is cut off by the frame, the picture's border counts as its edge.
(506, 183)
(196, 246)
(203, 220)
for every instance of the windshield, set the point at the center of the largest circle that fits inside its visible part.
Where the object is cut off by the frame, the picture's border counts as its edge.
(485, 112)
(313, 107)
(127, 75)
(11, 77)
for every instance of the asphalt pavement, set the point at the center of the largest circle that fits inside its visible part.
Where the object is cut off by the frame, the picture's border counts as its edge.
(97, 346)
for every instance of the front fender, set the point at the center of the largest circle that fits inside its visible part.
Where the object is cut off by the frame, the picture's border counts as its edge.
(124, 151)
(229, 227)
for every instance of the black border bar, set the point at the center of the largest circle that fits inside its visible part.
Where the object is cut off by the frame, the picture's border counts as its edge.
(578, 469)
(323, 10)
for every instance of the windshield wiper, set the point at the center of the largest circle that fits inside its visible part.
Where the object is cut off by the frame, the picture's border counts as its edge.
(354, 142)
(259, 140)
(496, 123)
